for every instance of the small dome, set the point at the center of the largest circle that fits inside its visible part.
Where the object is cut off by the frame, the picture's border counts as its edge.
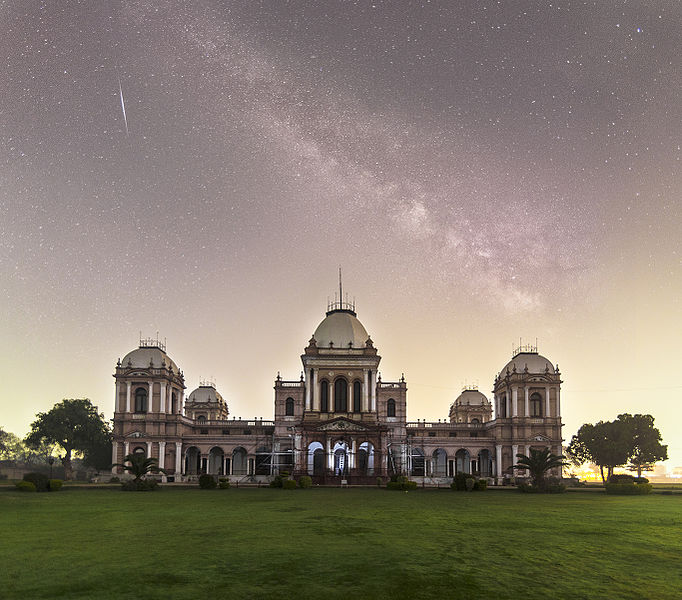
(536, 363)
(205, 393)
(143, 356)
(472, 398)
(341, 328)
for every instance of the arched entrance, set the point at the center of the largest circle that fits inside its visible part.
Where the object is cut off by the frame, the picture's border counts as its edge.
(463, 461)
(216, 460)
(440, 462)
(365, 459)
(315, 459)
(192, 461)
(340, 452)
(239, 465)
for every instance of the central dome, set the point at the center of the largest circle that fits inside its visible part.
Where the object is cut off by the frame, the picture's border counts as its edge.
(340, 329)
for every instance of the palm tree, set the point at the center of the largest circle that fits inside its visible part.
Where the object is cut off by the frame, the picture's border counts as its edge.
(138, 465)
(537, 463)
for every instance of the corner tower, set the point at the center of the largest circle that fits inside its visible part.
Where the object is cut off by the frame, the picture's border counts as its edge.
(148, 405)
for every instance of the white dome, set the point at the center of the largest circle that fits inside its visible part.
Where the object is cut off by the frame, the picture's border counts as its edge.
(143, 357)
(205, 393)
(341, 328)
(472, 398)
(536, 363)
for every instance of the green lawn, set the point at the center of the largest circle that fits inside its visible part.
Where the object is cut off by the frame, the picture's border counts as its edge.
(338, 543)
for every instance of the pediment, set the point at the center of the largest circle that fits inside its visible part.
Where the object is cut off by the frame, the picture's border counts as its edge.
(540, 438)
(341, 425)
(134, 434)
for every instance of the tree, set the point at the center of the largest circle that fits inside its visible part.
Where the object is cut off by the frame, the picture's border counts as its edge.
(611, 444)
(12, 448)
(139, 466)
(647, 448)
(538, 463)
(73, 425)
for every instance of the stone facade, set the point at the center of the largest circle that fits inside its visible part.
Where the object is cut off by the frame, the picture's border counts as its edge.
(338, 422)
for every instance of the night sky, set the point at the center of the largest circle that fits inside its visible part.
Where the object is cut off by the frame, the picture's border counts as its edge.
(482, 171)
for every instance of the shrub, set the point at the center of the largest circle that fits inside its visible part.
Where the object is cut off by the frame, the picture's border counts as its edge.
(628, 489)
(481, 485)
(289, 484)
(54, 485)
(401, 483)
(141, 485)
(622, 478)
(224, 483)
(37, 479)
(459, 483)
(26, 486)
(207, 482)
(380, 481)
(114, 480)
(305, 482)
(470, 483)
(641, 480)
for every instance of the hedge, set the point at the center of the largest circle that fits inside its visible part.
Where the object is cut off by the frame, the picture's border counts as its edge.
(26, 486)
(628, 489)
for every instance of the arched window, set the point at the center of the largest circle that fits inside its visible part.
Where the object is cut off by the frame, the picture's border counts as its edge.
(503, 407)
(341, 395)
(357, 396)
(140, 450)
(475, 421)
(289, 407)
(535, 405)
(140, 400)
(201, 419)
(390, 408)
(174, 403)
(324, 396)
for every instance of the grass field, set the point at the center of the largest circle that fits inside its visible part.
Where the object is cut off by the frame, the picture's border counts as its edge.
(338, 543)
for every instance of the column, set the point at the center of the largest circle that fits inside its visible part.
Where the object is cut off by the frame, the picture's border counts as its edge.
(349, 396)
(114, 454)
(498, 459)
(126, 448)
(515, 402)
(365, 393)
(527, 450)
(127, 397)
(181, 402)
(162, 455)
(330, 397)
(308, 383)
(351, 455)
(330, 458)
(117, 408)
(178, 459)
(149, 449)
(515, 451)
(316, 392)
(525, 391)
(507, 404)
(373, 390)
(547, 407)
(162, 398)
(558, 405)
(150, 399)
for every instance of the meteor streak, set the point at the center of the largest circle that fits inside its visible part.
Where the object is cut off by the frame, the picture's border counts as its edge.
(123, 105)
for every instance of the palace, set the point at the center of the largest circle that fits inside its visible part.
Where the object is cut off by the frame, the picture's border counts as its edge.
(338, 422)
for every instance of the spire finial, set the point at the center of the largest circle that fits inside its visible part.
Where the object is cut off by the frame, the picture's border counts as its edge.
(340, 286)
